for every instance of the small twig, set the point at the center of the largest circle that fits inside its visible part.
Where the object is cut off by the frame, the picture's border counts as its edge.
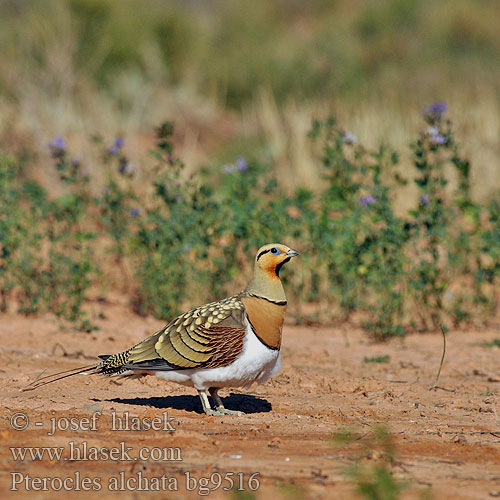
(496, 414)
(346, 338)
(442, 358)
(442, 388)
(55, 346)
(361, 436)
(72, 355)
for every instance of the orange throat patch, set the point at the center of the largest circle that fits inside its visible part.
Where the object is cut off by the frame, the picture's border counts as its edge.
(266, 318)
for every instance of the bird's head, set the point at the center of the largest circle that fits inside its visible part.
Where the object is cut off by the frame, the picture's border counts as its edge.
(270, 258)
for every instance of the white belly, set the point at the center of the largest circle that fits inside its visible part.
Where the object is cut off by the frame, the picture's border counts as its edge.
(256, 363)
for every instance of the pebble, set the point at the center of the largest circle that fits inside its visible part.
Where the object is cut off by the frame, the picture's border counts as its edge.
(274, 443)
(92, 407)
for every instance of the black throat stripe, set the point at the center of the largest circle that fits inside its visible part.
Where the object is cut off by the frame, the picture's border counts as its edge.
(261, 254)
(280, 265)
(281, 303)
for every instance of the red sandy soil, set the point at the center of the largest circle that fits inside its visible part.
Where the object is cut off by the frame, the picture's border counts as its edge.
(447, 440)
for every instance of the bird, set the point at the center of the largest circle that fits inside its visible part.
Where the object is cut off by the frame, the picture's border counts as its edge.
(233, 342)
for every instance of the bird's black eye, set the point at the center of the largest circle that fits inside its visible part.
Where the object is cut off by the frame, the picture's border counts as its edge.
(275, 251)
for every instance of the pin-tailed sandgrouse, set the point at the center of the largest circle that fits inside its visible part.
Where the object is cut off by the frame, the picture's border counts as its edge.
(230, 343)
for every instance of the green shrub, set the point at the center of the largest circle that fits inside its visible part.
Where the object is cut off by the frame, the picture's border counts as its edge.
(46, 258)
(193, 239)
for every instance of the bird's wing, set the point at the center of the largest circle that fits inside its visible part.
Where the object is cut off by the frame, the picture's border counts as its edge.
(209, 336)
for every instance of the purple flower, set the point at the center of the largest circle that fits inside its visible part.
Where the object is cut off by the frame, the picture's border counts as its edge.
(57, 144)
(435, 137)
(424, 200)
(134, 212)
(436, 109)
(241, 164)
(117, 145)
(349, 138)
(228, 169)
(438, 139)
(367, 200)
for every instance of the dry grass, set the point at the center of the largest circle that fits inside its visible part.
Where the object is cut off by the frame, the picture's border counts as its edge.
(389, 119)
(45, 93)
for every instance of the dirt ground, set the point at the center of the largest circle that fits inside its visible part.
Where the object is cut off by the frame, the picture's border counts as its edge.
(447, 440)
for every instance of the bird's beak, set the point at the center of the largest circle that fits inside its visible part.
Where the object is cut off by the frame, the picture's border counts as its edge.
(292, 253)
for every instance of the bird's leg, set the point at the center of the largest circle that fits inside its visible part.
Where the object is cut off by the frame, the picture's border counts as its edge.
(219, 407)
(205, 403)
(215, 396)
(219, 410)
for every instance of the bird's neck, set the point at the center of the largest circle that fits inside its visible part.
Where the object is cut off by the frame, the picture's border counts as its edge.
(266, 284)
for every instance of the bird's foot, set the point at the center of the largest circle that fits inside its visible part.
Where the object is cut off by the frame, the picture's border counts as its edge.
(220, 410)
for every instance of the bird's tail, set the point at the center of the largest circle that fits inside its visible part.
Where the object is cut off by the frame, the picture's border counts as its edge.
(48, 379)
(111, 365)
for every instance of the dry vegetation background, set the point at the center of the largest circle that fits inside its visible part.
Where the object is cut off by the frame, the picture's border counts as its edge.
(247, 78)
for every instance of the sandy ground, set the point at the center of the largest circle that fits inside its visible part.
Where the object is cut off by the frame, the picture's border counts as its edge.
(447, 440)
